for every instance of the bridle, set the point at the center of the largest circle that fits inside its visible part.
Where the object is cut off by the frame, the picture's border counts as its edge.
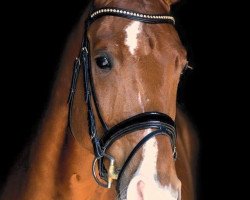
(161, 123)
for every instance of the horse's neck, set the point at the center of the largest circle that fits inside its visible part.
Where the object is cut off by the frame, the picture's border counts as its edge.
(64, 173)
(187, 148)
(56, 167)
(59, 168)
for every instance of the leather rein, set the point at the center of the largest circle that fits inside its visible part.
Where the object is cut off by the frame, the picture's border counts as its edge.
(161, 123)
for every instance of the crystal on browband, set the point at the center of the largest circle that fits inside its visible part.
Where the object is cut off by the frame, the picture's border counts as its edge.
(116, 11)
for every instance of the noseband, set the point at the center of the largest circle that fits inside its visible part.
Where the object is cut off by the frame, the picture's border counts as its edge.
(161, 123)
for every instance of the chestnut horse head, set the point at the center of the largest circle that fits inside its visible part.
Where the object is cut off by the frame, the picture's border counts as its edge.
(131, 59)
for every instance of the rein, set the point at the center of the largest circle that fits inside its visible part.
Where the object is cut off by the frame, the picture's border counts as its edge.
(161, 123)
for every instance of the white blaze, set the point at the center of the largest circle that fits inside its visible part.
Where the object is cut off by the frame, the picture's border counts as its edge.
(140, 102)
(147, 173)
(132, 33)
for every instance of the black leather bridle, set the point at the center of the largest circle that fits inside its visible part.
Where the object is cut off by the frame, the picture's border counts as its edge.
(161, 123)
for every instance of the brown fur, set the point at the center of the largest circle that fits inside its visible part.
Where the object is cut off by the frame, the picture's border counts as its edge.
(59, 165)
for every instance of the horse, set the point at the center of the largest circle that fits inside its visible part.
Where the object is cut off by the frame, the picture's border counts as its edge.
(110, 128)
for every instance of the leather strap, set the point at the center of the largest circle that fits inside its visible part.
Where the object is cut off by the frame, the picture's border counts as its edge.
(153, 120)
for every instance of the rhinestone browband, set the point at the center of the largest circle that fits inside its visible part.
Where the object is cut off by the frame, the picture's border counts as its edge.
(115, 11)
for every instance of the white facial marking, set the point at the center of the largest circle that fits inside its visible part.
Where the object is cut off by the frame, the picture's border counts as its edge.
(150, 152)
(140, 102)
(144, 185)
(132, 33)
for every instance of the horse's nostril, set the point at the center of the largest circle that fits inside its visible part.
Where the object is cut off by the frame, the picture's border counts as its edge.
(140, 188)
(136, 189)
(179, 194)
(179, 190)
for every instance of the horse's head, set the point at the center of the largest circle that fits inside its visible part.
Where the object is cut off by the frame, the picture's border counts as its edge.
(135, 68)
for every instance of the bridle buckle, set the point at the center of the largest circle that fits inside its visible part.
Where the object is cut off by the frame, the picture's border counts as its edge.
(111, 174)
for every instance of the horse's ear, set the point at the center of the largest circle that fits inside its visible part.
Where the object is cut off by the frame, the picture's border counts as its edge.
(170, 2)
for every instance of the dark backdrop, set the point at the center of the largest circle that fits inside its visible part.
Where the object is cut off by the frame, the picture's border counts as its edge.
(34, 37)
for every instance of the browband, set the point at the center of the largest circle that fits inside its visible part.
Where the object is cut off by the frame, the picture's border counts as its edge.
(129, 14)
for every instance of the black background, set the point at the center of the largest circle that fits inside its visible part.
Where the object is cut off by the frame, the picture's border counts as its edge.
(34, 37)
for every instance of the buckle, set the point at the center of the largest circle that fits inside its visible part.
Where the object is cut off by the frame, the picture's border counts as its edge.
(85, 50)
(174, 153)
(110, 176)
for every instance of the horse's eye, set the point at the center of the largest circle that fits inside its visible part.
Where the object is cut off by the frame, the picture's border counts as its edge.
(103, 62)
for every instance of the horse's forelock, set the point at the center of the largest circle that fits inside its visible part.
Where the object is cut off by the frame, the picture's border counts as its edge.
(102, 2)
(170, 2)
(106, 2)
